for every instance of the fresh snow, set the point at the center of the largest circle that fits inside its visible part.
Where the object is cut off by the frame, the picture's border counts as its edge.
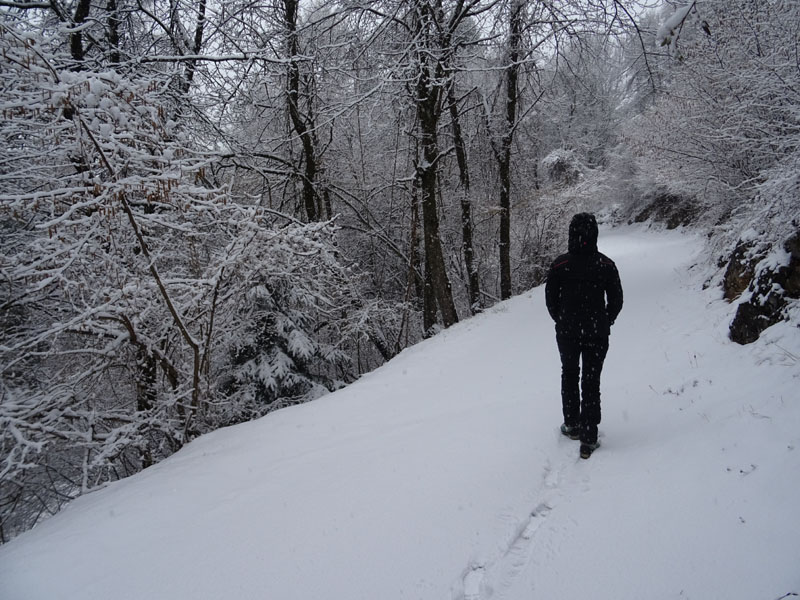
(442, 475)
(667, 29)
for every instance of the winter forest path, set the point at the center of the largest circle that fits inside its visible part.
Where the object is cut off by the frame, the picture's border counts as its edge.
(664, 509)
(442, 475)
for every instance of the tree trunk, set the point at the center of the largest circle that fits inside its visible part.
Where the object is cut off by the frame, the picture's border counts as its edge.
(197, 45)
(428, 300)
(504, 153)
(299, 122)
(415, 281)
(112, 35)
(467, 247)
(427, 101)
(76, 37)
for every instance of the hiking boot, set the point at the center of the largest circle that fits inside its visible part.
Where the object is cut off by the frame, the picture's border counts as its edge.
(572, 432)
(587, 449)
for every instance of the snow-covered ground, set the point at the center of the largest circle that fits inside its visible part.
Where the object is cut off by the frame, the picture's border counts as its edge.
(442, 475)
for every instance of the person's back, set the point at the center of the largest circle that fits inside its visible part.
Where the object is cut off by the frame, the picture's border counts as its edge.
(583, 296)
(584, 279)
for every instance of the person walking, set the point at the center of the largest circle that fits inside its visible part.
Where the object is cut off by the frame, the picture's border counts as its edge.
(583, 295)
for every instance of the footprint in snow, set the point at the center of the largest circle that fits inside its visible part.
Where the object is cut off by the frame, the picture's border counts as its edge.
(472, 583)
(481, 581)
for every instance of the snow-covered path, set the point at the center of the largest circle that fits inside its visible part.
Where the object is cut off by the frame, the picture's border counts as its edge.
(442, 475)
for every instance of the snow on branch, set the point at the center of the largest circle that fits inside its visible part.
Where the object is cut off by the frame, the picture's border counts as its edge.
(669, 31)
(141, 303)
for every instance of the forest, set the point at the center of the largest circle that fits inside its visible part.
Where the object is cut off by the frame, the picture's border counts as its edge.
(210, 211)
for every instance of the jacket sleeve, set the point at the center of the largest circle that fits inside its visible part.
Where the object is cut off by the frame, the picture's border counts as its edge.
(613, 294)
(552, 293)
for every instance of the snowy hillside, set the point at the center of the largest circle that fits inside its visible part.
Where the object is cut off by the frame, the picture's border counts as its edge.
(442, 475)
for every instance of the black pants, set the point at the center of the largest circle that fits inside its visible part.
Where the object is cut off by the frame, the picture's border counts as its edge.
(582, 409)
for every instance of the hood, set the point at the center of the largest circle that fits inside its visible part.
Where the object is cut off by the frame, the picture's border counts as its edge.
(583, 234)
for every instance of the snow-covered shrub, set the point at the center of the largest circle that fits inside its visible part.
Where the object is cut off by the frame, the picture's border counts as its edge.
(141, 304)
(541, 227)
(298, 314)
(662, 206)
(540, 234)
(561, 167)
(727, 110)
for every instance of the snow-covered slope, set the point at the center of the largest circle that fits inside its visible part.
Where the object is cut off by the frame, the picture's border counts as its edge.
(442, 475)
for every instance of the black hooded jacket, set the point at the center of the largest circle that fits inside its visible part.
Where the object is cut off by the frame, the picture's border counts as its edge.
(583, 292)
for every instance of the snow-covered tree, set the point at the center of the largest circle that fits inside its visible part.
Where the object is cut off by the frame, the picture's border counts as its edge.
(728, 108)
(143, 302)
